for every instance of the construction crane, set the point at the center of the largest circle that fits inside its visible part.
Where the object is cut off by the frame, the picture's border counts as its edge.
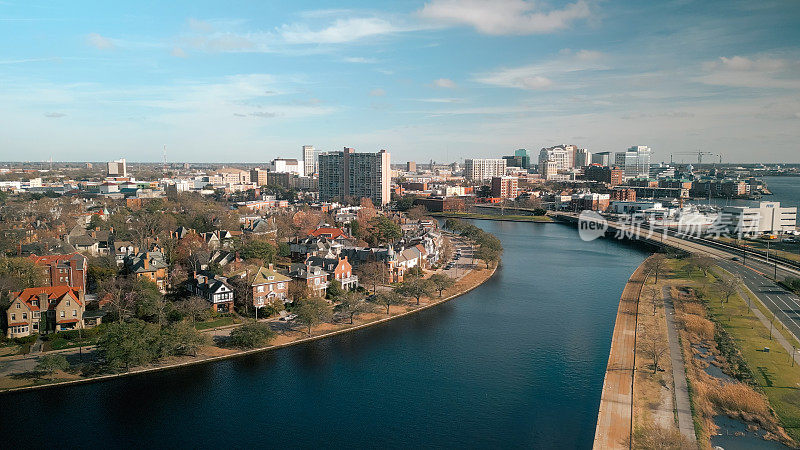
(699, 155)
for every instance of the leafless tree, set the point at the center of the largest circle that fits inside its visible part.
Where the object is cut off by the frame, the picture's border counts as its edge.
(653, 347)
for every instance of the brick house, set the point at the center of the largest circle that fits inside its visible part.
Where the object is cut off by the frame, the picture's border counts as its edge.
(269, 285)
(63, 270)
(313, 277)
(149, 265)
(44, 309)
(340, 268)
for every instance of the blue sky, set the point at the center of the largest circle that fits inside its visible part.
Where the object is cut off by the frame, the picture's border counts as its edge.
(438, 79)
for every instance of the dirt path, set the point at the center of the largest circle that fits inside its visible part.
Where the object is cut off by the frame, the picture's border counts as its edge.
(681, 389)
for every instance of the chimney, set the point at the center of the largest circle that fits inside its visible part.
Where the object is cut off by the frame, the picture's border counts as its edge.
(146, 260)
(43, 300)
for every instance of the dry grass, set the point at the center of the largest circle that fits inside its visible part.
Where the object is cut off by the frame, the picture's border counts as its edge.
(698, 327)
(653, 436)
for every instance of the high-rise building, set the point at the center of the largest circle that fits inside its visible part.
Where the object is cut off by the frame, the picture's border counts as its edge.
(357, 175)
(309, 164)
(259, 176)
(602, 158)
(484, 169)
(635, 161)
(519, 159)
(118, 168)
(559, 154)
(583, 157)
(411, 166)
(505, 187)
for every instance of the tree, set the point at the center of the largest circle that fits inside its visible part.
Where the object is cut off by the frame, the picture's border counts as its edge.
(487, 254)
(312, 311)
(181, 339)
(251, 335)
(261, 250)
(654, 348)
(728, 287)
(352, 304)
(703, 263)
(19, 273)
(446, 250)
(414, 272)
(384, 230)
(415, 288)
(49, 364)
(196, 308)
(334, 290)
(417, 213)
(654, 294)
(442, 282)
(387, 299)
(298, 290)
(656, 265)
(127, 344)
(372, 273)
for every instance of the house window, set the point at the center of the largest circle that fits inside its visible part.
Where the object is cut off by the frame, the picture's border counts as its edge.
(17, 305)
(260, 289)
(67, 302)
(280, 285)
(24, 316)
(316, 280)
(74, 313)
(13, 317)
(62, 314)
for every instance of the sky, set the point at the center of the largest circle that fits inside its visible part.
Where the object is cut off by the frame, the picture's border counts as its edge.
(249, 81)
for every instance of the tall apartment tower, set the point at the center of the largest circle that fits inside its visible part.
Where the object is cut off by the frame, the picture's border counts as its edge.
(484, 169)
(357, 175)
(583, 157)
(118, 168)
(411, 166)
(308, 161)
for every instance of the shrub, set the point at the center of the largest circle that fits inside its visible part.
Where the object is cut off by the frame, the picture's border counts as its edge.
(697, 326)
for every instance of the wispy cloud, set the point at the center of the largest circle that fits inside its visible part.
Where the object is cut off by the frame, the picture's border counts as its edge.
(360, 60)
(542, 75)
(377, 93)
(54, 115)
(341, 31)
(502, 17)
(754, 72)
(444, 83)
(100, 42)
(178, 52)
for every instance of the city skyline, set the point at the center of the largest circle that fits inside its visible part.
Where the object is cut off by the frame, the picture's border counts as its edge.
(438, 79)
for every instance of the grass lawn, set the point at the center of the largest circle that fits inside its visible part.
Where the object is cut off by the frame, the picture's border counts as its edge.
(213, 323)
(773, 370)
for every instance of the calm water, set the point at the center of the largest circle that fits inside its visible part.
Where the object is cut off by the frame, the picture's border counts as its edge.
(518, 362)
(784, 189)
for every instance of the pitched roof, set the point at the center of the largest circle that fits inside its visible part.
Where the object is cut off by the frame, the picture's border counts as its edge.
(50, 259)
(53, 293)
(331, 232)
(263, 276)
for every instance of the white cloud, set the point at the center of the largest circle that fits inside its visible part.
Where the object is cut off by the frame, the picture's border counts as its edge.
(341, 31)
(201, 26)
(444, 83)
(758, 72)
(361, 60)
(501, 17)
(377, 93)
(178, 52)
(100, 42)
(542, 75)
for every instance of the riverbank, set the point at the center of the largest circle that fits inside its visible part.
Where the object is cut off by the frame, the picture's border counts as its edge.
(615, 414)
(505, 218)
(288, 337)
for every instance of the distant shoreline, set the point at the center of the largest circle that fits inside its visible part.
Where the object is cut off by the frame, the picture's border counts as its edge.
(503, 218)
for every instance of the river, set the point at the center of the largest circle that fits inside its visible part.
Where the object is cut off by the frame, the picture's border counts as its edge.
(518, 362)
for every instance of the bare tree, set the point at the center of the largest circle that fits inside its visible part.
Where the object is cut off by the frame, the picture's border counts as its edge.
(373, 273)
(656, 265)
(728, 287)
(653, 347)
(654, 294)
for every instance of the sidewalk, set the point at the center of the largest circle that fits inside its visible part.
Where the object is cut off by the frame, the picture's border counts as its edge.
(681, 391)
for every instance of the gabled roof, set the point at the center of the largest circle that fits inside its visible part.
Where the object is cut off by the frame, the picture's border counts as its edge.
(331, 232)
(51, 259)
(263, 277)
(53, 293)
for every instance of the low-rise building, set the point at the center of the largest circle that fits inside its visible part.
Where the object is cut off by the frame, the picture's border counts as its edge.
(762, 217)
(150, 266)
(269, 285)
(340, 268)
(63, 270)
(214, 288)
(45, 309)
(312, 277)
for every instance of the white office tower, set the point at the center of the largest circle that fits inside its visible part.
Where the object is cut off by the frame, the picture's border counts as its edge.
(118, 168)
(484, 169)
(635, 161)
(309, 166)
(559, 154)
(762, 217)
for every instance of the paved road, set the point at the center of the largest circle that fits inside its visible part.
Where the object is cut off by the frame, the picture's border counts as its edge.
(463, 264)
(682, 403)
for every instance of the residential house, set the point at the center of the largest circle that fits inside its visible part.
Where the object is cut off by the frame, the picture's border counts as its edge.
(313, 277)
(63, 270)
(268, 285)
(124, 249)
(214, 288)
(340, 268)
(44, 309)
(149, 265)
